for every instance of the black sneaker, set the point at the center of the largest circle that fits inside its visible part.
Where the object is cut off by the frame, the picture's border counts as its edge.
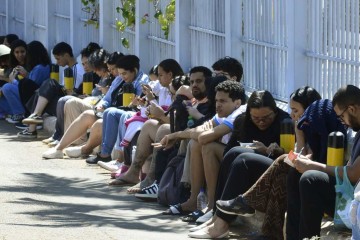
(97, 158)
(235, 206)
(26, 126)
(149, 193)
(33, 119)
(27, 134)
(16, 118)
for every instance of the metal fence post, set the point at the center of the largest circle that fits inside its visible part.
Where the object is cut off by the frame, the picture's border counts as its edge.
(182, 34)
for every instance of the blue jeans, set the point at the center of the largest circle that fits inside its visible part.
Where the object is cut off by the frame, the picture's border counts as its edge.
(113, 128)
(10, 101)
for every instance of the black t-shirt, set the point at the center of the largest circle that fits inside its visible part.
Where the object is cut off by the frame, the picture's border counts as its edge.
(246, 131)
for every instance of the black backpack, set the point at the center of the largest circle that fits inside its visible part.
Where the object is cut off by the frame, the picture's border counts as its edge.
(171, 190)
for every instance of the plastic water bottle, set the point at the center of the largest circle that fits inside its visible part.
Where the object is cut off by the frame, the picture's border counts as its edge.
(201, 200)
(133, 153)
(190, 122)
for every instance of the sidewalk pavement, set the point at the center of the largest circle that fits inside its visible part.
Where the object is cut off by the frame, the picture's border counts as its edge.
(67, 199)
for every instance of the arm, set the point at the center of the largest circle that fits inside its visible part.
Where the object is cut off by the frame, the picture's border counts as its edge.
(303, 164)
(213, 134)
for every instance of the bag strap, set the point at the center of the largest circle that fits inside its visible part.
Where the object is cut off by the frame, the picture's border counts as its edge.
(338, 180)
(346, 179)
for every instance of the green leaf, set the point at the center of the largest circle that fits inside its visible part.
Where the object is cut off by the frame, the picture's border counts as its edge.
(125, 42)
(157, 14)
(143, 20)
(118, 9)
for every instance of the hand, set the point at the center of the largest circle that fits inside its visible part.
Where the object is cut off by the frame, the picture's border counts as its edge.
(99, 108)
(303, 163)
(138, 101)
(193, 112)
(274, 149)
(146, 89)
(21, 70)
(167, 142)
(156, 111)
(259, 147)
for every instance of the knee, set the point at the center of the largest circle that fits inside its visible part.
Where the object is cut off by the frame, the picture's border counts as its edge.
(8, 87)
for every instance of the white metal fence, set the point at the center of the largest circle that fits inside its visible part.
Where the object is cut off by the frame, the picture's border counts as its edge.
(282, 44)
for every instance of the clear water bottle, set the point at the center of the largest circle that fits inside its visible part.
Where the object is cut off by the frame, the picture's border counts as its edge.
(133, 153)
(201, 200)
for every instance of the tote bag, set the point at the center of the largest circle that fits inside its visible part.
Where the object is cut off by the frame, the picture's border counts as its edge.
(344, 195)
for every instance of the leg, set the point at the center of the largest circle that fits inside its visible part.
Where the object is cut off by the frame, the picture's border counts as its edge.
(317, 196)
(112, 121)
(213, 154)
(143, 150)
(94, 138)
(59, 127)
(73, 108)
(11, 93)
(244, 172)
(293, 204)
(77, 129)
(268, 195)
(150, 176)
(197, 176)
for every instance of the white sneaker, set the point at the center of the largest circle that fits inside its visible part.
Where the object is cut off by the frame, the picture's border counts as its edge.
(73, 152)
(48, 140)
(111, 166)
(53, 143)
(206, 217)
(53, 153)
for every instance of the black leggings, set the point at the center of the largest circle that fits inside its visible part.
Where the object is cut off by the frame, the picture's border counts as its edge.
(239, 170)
(310, 195)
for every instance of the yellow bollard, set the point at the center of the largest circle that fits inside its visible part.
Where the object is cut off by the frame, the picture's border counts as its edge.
(287, 135)
(54, 72)
(68, 79)
(128, 94)
(335, 150)
(87, 83)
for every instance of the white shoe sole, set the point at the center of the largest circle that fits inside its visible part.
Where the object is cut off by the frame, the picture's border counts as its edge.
(106, 167)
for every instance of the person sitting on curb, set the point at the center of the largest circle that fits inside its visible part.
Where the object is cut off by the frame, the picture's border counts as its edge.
(229, 97)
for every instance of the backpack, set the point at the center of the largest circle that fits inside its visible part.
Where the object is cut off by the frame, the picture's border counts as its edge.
(171, 190)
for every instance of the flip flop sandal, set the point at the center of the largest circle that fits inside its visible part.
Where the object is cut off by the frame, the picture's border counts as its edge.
(175, 210)
(192, 217)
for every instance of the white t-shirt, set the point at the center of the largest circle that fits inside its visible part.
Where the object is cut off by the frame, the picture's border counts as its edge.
(78, 71)
(228, 121)
(163, 93)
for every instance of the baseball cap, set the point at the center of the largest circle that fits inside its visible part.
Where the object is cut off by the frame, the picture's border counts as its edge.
(4, 50)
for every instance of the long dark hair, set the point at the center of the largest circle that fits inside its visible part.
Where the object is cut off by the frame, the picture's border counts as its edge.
(36, 54)
(305, 96)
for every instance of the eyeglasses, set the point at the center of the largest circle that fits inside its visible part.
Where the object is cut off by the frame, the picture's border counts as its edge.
(341, 116)
(262, 119)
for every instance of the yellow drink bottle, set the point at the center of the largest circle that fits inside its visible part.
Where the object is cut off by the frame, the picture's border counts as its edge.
(128, 94)
(287, 135)
(335, 149)
(87, 83)
(54, 72)
(68, 79)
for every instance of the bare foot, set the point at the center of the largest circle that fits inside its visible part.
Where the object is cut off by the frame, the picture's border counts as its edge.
(134, 189)
(129, 178)
(188, 206)
(138, 187)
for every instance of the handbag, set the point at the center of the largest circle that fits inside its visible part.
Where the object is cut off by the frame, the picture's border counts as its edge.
(344, 196)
